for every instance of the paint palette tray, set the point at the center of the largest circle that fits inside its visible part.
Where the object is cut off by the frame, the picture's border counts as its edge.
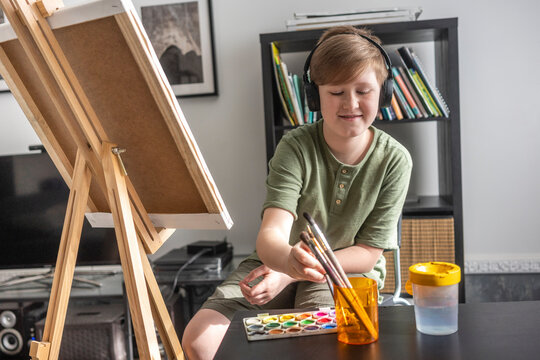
(267, 327)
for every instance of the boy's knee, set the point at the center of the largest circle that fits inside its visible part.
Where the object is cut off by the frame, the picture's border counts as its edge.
(203, 334)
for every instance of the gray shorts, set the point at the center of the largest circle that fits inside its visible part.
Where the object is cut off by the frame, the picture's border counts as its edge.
(228, 299)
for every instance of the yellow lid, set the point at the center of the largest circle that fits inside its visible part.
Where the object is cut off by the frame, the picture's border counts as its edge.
(435, 274)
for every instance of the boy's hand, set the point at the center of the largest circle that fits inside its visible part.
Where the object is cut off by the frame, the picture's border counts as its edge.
(272, 283)
(303, 265)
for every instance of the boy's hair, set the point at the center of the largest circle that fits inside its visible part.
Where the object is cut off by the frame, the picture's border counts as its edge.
(345, 56)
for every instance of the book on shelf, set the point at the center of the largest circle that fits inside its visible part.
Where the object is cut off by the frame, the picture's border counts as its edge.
(433, 96)
(286, 89)
(402, 87)
(299, 119)
(418, 90)
(285, 101)
(395, 107)
(425, 93)
(406, 78)
(437, 97)
(318, 20)
(291, 92)
(402, 102)
(385, 114)
(299, 98)
(392, 113)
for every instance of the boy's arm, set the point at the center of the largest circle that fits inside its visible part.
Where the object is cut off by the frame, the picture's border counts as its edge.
(275, 252)
(358, 258)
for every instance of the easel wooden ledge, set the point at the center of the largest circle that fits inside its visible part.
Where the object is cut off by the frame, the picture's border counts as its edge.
(99, 160)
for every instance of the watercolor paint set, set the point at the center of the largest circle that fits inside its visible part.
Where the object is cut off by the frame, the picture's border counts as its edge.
(267, 327)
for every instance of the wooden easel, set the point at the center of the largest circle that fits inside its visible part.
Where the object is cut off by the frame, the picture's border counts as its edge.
(98, 161)
(143, 291)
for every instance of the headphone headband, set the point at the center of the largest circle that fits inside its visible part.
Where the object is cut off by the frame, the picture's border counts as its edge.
(312, 91)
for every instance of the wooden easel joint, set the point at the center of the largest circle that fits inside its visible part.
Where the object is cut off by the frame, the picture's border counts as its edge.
(39, 350)
(117, 151)
(49, 7)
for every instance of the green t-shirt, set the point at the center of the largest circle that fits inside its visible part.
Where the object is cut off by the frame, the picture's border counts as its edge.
(352, 204)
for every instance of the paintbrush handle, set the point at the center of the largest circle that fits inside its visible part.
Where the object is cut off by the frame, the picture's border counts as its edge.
(327, 249)
(337, 265)
(329, 283)
(329, 270)
(333, 270)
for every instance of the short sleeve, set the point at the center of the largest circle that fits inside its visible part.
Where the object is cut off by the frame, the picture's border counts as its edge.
(284, 180)
(380, 227)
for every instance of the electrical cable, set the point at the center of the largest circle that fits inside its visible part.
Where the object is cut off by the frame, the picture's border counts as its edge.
(190, 261)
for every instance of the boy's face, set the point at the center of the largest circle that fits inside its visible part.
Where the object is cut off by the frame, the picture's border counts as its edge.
(349, 109)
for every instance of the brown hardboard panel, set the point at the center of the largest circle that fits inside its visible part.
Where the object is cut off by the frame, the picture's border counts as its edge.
(112, 81)
(122, 100)
(41, 97)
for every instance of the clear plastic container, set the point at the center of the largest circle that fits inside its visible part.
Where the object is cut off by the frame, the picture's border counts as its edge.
(436, 309)
(435, 291)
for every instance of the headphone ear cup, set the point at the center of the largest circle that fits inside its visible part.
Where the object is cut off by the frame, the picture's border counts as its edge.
(312, 96)
(387, 90)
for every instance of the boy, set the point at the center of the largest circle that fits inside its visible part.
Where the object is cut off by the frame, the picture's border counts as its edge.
(351, 177)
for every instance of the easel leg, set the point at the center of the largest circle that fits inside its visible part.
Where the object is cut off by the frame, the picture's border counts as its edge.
(167, 333)
(49, 347)
(128, 246)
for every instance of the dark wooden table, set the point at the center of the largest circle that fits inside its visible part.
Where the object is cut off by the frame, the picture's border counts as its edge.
(506, 330)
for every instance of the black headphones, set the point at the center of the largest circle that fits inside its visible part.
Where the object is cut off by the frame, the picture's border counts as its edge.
(312, 90)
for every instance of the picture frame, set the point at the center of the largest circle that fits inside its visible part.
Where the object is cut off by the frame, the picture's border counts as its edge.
(181, 33)
(3, 85)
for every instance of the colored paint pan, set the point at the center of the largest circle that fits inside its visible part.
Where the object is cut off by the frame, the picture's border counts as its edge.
(289, 324)
(253, 321)
(307, 322)
(272, 325)
(303, 316)
(320, 314)
(286, 317)
(270, 319)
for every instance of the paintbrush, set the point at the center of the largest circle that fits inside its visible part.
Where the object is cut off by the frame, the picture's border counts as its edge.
(347, 291)
(330, 275)
(327, 250)
(325, 258)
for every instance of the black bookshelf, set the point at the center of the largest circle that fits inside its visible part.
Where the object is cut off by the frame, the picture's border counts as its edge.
(443, 34)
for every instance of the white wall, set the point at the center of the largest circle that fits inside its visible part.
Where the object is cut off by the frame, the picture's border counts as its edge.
(498, 52)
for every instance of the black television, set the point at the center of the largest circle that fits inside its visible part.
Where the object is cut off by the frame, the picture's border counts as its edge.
(33, 201)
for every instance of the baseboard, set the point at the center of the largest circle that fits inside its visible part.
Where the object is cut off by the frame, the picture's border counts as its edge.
(502, 266)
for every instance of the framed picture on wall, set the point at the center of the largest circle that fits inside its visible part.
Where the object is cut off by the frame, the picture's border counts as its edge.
(181, 34)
